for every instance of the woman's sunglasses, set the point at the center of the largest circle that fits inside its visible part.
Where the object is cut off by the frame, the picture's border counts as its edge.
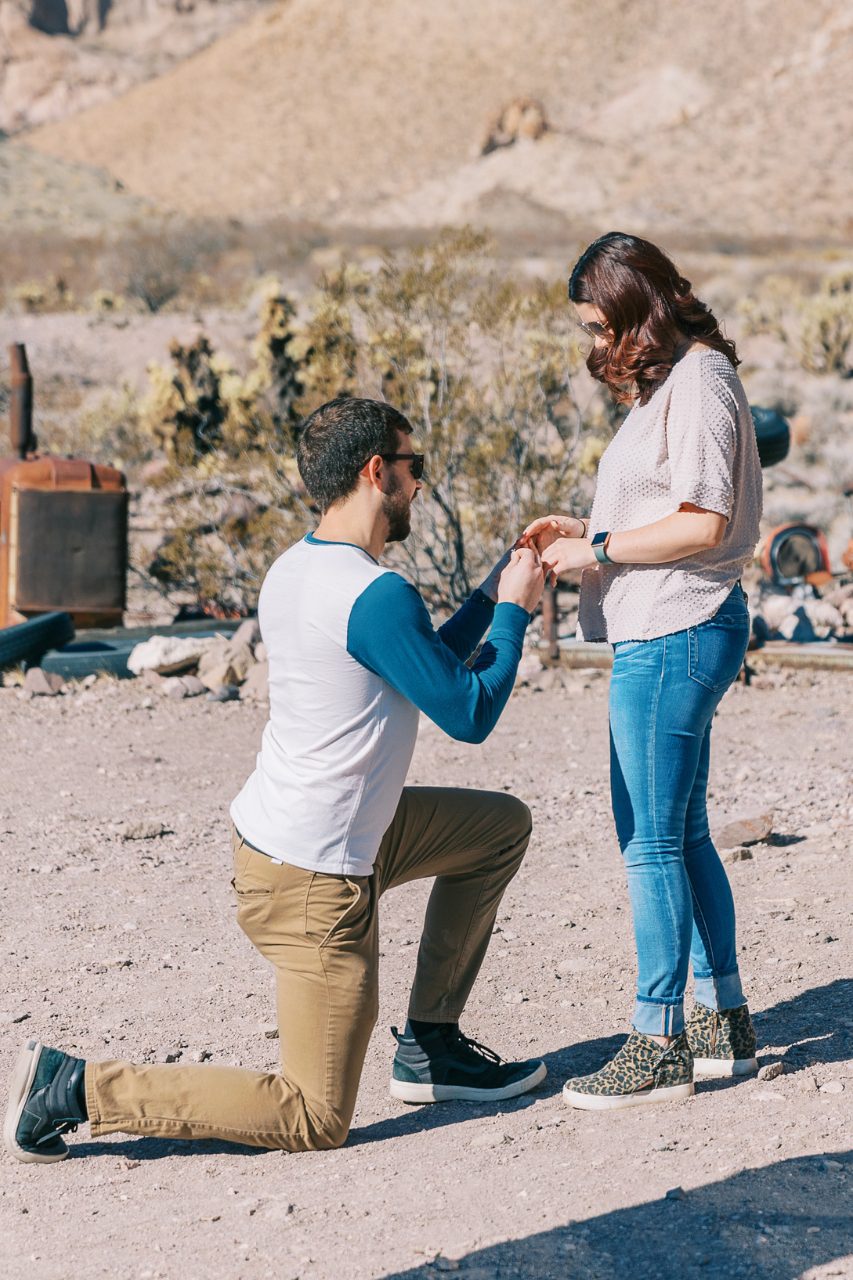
(594, 329)
(416, 459)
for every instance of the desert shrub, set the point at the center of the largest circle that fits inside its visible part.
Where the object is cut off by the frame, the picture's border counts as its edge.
(817, 327)
(826, 331)
(109, 432)
(484, 368)
(36, 296)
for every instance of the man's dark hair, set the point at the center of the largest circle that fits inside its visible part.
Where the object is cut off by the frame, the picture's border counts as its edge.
(336, 440)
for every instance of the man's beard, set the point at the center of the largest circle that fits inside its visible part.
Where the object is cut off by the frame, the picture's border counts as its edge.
(397, 510)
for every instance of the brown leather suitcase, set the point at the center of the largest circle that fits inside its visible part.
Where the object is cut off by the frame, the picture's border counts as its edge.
(63, 540)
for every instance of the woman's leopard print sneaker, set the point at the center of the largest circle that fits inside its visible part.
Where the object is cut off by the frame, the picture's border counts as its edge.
(642, 1071)
(722, 1041)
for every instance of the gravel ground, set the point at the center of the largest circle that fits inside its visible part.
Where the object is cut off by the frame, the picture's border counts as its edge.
(127, 947)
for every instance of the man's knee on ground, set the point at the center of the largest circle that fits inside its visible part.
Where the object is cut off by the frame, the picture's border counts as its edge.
(332, 1133)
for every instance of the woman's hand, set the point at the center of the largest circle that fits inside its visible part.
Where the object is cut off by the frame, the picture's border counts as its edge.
(543, 532)
(565, 555)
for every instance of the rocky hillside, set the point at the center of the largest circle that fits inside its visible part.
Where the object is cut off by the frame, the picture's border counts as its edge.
(58, 57)
(720, 121)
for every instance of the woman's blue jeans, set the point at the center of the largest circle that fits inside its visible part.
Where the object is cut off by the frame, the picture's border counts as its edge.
(663, 695)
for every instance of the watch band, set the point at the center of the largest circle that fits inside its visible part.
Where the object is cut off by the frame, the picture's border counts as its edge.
(598, 547)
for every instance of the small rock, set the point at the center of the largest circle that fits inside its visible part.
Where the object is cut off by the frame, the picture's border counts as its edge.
(224, 693)
(152, 678)
(44, 684)
(444, 1264)
(270, 1032)
(202, 1055)
(675, 1193)
(193, 685)
(745, 831)
(8, 1019)
(550, 1122)
(127, 1163)
(228, 663)
(515, 997)
(144, 831)
(739, 853)
(832, 1086)
(173, 1055)
(120, 962)
(257, 684)
(169, 655)
(808, 1084)
(174, 687)
(490, 1139)
(248, 632)
(770, 1071)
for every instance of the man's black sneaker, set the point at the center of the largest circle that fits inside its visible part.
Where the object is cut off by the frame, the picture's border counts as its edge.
(46, 1099)
(443, 1065)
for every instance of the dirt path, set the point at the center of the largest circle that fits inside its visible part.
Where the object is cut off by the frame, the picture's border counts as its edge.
(113, 947)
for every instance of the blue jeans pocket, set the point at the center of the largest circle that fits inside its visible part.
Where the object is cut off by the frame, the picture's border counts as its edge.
(716, 648)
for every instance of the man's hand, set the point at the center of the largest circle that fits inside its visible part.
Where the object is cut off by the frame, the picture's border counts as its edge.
(566, 554)
(489, 586)
(523, 580)
(547, 529)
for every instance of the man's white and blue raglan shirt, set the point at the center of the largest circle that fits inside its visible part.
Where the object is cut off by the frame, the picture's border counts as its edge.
(353, 657)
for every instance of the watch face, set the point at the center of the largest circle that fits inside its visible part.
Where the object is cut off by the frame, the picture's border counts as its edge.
(598, 539)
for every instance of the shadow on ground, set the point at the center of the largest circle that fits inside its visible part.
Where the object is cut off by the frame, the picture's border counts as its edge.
(815, 1024)
(772, 1223)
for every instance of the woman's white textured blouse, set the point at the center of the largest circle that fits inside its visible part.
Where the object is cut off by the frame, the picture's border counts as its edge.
(694, 441)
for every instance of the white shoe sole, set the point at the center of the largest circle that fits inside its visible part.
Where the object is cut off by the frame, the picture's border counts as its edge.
(419, 1093)
(724, 1068)
(613, 1102)
(22, 1079)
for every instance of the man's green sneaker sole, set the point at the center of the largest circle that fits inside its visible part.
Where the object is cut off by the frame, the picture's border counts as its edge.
(19, 1091)
(409, 1091)
(613, 1102)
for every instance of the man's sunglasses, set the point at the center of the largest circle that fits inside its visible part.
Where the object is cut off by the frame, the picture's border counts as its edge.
(416, 459)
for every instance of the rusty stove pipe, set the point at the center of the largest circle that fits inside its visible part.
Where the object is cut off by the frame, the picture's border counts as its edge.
(21, 402)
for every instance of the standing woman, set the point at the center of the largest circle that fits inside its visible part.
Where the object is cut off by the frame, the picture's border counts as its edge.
(674, 521)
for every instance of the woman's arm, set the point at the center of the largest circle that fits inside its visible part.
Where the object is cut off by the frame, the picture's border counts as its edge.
(684, 533)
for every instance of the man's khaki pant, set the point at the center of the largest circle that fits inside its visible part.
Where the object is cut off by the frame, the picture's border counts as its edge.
(320, 932)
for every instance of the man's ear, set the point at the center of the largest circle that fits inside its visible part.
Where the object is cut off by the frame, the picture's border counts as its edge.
(372, 471)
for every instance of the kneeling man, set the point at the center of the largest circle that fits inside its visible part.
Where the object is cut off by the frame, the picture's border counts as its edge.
(324, 826)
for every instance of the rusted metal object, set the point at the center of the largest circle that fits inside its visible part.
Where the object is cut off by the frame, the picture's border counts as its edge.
(21, 402)
(549, 624)
(63, 527)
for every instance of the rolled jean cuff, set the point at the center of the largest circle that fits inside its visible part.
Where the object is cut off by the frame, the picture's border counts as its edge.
(723, 991)
(657, 1018)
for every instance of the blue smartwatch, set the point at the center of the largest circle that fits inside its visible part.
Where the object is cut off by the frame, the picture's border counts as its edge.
(598, 541)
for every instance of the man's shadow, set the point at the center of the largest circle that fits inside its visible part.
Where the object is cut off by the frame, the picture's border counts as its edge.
(773, 1223)
(812, 1023)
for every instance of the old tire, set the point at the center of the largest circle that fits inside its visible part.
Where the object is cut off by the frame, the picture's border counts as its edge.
(27, 641)
(90, 657)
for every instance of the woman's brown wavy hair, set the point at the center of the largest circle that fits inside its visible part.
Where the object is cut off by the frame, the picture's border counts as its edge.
(650, 310)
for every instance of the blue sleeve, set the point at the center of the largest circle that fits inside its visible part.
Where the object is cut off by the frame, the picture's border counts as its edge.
(464, 631)
(390, 633)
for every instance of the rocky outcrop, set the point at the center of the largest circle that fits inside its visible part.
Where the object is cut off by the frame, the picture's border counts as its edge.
(59, 57)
